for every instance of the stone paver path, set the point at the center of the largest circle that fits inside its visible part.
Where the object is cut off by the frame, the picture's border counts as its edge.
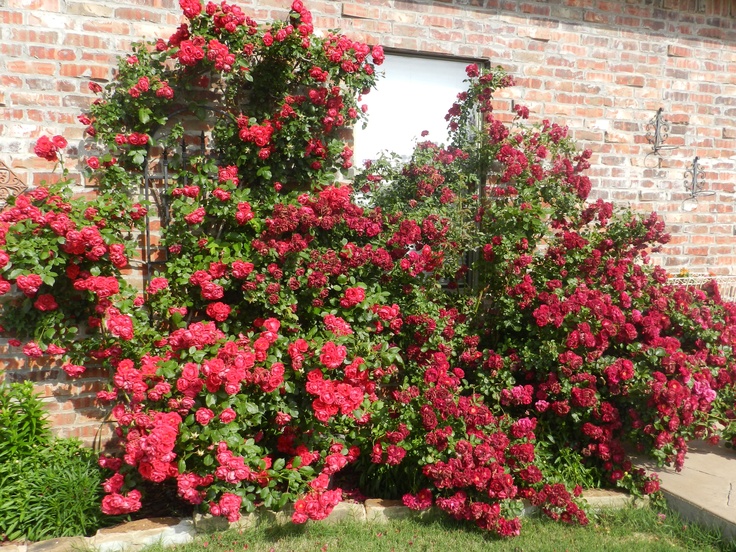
(705, 490)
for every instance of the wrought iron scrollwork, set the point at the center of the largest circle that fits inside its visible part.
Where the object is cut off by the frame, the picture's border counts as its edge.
(658, 130)
(10, 184)
(694, 184)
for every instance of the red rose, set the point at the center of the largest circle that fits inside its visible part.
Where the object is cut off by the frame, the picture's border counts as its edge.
(332, 355)
(212, 291)
(204, 416)
(120, 326)
(73, 370)
(157, 284)
(191, 8)
(352, 297)
(242, 269)
(378, 55)
(45, 149)
(196, 216)
(32, 350)
(218, 311)
(583, 397)
(116, 504)
(227, 415)
(46, 302)
(29, 284)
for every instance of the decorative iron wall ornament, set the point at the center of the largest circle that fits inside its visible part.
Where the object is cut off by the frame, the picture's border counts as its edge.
(10, 184)
(658, 130)
(694, 184)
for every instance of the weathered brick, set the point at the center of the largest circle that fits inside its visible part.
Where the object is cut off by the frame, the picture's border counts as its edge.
(629, 80)
(11, 17)
(36, 5)
(137, 14)
(113, 28)
(29, 36)
(97, 72)
(674, 50)
(354, 9)
(24, 67)
(90, 9)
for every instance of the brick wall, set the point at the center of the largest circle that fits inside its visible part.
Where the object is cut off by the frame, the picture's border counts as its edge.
(604, 67)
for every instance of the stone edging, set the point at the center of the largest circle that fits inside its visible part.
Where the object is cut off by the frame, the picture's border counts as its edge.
(135, 535)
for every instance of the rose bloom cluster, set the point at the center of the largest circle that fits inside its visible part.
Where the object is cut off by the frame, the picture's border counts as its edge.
(65, 282)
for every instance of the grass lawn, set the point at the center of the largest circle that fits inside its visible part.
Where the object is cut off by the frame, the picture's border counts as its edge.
(627, 530)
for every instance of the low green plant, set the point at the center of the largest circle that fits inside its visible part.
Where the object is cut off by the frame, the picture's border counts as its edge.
(23, 423)
(48, 487)
(54, 492)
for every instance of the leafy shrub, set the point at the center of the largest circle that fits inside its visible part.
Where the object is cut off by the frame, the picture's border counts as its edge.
(297, 329)
(48, 487)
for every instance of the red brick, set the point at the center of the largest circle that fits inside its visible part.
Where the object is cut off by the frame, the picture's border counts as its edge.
(30, 67)
(11, 17)
(674, 50)
(542, 34)
(86, 41)
(96, 72)
(63, 418)
(137, 14)
(445, 36)
(31, 35)
(107, 27)
(595, 17)
(42, 52)
(353, 9)
(436, 21)
(629, 80)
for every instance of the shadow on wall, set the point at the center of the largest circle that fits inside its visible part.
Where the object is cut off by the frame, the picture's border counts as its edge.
(699, 20)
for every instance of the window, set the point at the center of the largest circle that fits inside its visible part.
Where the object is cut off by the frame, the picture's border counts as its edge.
(413, 95)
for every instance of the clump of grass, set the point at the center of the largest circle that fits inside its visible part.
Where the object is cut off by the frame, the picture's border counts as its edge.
(626, 530)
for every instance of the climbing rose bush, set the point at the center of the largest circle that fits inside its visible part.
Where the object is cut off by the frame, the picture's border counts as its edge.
(462, 330)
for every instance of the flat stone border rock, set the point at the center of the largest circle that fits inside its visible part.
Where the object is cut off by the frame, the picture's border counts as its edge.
(128, 537)
(601, 499)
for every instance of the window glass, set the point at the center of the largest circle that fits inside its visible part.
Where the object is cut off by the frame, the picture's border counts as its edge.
(413, 95)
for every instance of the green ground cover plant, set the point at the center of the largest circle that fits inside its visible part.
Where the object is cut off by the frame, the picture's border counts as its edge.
(436, 330)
